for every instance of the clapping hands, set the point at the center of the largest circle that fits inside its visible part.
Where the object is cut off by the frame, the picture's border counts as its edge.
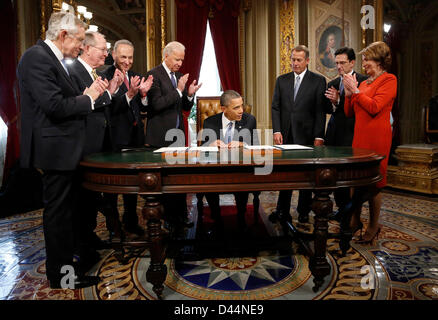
(193, 88)
(97, 88)
(116, 81)
(350, 84)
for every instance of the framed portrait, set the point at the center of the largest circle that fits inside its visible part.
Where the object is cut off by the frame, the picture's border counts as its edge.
(328, 38)
(329, 42)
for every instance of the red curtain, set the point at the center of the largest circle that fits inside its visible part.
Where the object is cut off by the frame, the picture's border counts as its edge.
(225, 33)
(191, 29)
(192, 18)
(8, 82)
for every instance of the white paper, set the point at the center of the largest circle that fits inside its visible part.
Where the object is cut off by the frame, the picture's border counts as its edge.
(259, 147)
(171, 149)
(204, 149)
(292, 147)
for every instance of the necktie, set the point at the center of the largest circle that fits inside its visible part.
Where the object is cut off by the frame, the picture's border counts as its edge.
(228, 136)
(64, 64)
(172, 78)
(94, 74)
(297, 86)
(341, 87)
(126, 81)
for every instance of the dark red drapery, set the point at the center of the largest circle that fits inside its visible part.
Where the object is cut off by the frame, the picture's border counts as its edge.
(192, 18)
(8, 65)
(225, 33)
(191, 28)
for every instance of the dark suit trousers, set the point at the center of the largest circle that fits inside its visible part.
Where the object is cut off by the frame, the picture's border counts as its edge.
(58, 219)
(285, 196)
(241, 199)
(130, 217)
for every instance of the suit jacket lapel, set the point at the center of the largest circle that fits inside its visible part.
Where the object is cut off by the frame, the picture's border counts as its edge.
(83, 73)
(166, 77)
(57, 63)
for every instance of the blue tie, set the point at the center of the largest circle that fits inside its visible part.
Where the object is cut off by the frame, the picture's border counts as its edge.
(172, 78)
(297, 86)
(341, 87)
(64, 64)
(228, 136)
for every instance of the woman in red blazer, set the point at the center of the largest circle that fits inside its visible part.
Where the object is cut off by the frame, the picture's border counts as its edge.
(371, 103)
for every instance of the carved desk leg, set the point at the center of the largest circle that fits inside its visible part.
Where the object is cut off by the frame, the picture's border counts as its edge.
(157, 271)
(318, 264)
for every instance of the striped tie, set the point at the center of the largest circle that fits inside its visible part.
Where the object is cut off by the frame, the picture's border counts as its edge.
(228, 137)
(94, 74)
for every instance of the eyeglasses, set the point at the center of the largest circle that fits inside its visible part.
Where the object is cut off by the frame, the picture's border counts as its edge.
(101, 49)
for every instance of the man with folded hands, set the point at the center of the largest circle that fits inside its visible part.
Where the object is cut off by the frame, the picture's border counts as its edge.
(230, 129)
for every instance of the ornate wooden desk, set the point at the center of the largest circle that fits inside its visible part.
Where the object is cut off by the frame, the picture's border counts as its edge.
(151, 175)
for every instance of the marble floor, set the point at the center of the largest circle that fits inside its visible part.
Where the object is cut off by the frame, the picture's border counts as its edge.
(401, 265)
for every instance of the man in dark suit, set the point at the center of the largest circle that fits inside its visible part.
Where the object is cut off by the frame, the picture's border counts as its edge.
(232, 128)
(97, 137)
(298, 117)
(53, 112)
(127, 128)
(340, 129)
(167, 98)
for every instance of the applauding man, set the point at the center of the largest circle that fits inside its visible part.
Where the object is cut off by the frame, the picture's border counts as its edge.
(53, 112)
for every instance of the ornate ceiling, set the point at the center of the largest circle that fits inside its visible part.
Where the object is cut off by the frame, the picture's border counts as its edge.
(118, 19)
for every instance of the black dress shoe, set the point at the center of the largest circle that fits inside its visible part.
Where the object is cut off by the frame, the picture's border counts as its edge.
(303, 218)
(86, 261)
(98, 244)
(336, 215)
(79, 282)
(339, 214)
(186, 223)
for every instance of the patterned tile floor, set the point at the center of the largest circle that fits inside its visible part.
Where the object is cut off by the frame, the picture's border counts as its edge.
(402, 265)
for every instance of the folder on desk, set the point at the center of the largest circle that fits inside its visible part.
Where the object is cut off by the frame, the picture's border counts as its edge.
(292, 147)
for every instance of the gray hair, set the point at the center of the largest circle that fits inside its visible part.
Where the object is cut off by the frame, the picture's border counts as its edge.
(90, 38)
(227, 96)
(171, 47)
(302, 48)
(63, 21)
(120, 42)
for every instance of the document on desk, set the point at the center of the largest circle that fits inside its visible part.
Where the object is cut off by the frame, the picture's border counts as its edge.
(265, 147)
(204, 149)
(292, 147)
(171, 149)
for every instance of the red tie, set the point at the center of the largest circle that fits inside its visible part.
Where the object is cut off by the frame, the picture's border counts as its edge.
(126, 82)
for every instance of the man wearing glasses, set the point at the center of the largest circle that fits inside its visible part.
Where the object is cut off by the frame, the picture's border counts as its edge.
(340, 129)
(53, 112)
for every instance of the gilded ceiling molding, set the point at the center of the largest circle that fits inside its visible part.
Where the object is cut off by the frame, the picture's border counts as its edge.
(163, 16)
(287, 34)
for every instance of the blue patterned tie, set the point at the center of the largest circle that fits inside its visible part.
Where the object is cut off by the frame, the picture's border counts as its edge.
(172, 78)
(297, 86)
(228, 136)
(341, 87)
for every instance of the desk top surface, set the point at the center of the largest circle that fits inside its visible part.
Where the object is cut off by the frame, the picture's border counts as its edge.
(144, 158)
